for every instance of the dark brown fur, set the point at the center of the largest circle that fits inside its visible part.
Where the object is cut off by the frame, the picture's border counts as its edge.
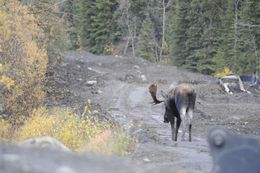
(179, 104)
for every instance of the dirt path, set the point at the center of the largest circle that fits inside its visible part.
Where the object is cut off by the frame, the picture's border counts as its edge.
(121, 91)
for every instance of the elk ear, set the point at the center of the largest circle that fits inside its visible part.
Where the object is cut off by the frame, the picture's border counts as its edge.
(164, 95)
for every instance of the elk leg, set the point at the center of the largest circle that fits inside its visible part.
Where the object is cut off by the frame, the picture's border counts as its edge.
(190, 116)
(172, 121)
(183, 119)
(177, 128)
(165, 117)
(190, 132)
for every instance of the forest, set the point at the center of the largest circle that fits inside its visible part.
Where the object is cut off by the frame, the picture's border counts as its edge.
(202, 36)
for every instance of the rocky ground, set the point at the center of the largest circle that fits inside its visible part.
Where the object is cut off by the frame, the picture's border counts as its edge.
(118, 88)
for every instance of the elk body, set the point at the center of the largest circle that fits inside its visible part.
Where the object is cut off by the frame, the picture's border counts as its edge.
(179, 104)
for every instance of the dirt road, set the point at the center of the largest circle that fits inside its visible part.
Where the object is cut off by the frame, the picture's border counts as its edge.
(118, 85)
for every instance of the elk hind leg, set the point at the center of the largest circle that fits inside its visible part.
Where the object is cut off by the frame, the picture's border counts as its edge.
(184, 122)
(190, 117)
(177, 127)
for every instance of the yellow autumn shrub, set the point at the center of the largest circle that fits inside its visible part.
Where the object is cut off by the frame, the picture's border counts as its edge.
(226, 71)
(23, 59)
(4, 130)
(111, 141)
(79, 133)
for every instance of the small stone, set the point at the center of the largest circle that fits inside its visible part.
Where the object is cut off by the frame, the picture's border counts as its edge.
(65, 169)
(99, 92)
(146, 159)
(91, 82)
(136, 67)
(95, 112)
(143, 78)
(11, 157)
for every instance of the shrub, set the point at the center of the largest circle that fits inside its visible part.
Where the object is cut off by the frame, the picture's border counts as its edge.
(23, 60)
(224, 72)
(112, 141)
(4, 130)
(79, 133)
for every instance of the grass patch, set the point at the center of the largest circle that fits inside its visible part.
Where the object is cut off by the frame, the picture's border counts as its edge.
(78, 132)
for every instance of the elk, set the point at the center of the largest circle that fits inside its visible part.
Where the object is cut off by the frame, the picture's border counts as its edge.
(179, 104)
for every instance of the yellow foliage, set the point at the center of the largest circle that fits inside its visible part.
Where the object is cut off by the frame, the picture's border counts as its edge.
(226, 71)
(109, 48)
(23, 52)
(39, 124)
(7, 82)
(4, 129)
(112, 141)
(83, 133)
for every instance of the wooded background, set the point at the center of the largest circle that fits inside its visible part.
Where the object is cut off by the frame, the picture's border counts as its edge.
(201, 35)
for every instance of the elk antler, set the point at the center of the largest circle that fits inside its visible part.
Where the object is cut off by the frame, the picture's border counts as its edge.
(153, 90)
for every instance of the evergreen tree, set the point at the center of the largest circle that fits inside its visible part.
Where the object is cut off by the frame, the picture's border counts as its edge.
(69, 15)
(106, 30)
(202, 39)
(146, 46)
(97, 26)
(180, 23)
(249, 42)
(86, 10)
(226, 53)
(137, 12)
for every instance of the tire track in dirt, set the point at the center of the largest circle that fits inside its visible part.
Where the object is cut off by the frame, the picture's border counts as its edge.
(131, 109)
(121, 91)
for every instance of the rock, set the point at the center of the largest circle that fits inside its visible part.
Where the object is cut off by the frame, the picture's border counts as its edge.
(91, 82)
(11, 157)
(136, 67)
(143, 78)
(44, 142)
(95, 112)
(14, 159)
(65, 169)
(146, 159)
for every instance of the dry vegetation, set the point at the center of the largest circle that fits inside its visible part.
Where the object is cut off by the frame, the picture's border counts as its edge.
(23, 63)
(23, 60)
(224, 72)
(78, 132)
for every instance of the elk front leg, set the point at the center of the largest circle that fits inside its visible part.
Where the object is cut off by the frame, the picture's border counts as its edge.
(172, 128)
(190, 132)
